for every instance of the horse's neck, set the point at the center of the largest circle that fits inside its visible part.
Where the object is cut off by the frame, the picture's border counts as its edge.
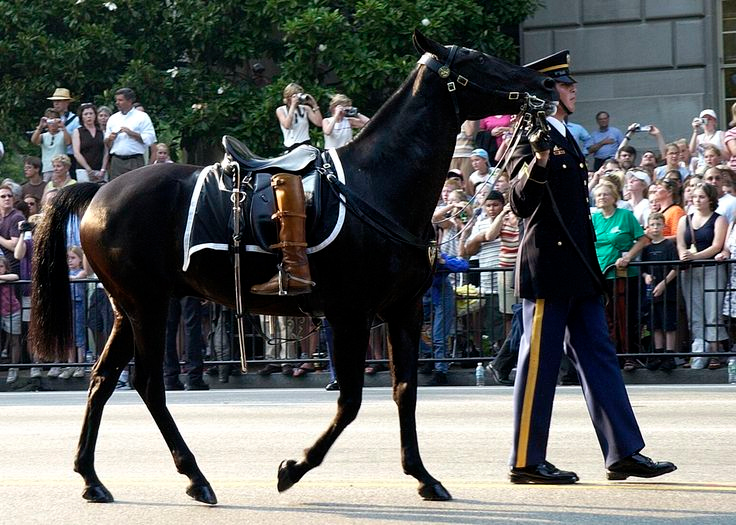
(406, 151)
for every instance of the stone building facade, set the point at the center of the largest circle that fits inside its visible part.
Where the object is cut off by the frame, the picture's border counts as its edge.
(649, 61)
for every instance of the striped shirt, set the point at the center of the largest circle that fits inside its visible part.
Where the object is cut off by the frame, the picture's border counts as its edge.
(509, 242)
(487, 256)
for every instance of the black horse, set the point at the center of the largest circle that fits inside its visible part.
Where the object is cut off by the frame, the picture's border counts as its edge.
(132, 228)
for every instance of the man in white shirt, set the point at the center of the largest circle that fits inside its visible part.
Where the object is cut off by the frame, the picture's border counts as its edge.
(128, 135)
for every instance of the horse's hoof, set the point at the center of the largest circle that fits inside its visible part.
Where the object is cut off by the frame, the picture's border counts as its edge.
(285, 479)
(202, 493)
(97, 494)
(434, 492)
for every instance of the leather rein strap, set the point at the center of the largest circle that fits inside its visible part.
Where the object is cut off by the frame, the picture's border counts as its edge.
(374, 218)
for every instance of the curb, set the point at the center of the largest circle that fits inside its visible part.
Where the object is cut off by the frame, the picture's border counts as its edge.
(456, 377)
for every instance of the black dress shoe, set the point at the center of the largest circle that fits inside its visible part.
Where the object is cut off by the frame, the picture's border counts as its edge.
(197, 384)
(544, 473)
(497, 376)
(640, 467)
(176, 385)
(332, 385)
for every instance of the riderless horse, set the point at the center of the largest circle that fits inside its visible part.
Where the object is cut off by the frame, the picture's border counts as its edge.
(376, 265)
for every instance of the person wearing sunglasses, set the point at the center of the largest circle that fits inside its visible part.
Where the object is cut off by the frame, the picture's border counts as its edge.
(9, 219)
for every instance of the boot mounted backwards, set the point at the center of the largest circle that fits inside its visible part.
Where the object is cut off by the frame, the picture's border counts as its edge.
(293, 277)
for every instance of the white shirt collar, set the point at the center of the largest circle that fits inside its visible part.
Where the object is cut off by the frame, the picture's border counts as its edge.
(558, 125)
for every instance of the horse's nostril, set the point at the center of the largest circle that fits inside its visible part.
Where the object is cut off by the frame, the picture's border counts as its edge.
(548, 83)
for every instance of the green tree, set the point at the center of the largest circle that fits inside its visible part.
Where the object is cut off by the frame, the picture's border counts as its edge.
(190, 61)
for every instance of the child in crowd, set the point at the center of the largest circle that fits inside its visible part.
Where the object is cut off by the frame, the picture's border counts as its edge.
(78, 291)
(711, 158)
(10, 315)
(661, 291)
(161, 154)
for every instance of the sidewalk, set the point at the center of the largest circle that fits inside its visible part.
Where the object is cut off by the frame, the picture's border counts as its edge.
(456, 377)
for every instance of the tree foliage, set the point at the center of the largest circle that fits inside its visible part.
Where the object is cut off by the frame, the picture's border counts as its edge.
(190, 61)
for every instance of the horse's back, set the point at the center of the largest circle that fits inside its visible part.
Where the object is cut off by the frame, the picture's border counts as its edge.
(136, 221)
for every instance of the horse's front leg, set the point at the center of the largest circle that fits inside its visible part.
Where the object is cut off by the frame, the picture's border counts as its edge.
(350, 343)
(404, 328)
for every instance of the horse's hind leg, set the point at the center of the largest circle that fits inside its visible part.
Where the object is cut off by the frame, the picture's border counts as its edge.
(350, 341)
(115, 356)
(149, 383)
(404, 329)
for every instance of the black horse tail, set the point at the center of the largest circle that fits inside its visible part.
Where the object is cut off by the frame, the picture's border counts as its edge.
(50, 331)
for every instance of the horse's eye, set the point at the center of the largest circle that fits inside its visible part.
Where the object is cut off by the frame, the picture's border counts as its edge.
(481, 59)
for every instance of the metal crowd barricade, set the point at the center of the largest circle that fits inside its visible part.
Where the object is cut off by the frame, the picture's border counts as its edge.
(477, 328)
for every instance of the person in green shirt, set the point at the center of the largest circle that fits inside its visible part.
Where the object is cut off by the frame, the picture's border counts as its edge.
(619, 239)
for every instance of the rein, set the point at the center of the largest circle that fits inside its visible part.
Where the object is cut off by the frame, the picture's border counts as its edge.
(525, 120)
(374, 218)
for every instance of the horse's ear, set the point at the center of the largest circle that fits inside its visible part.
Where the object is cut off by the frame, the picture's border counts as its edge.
(425, 45)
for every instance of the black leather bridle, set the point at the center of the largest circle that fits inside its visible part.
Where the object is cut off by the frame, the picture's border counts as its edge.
(454, 79)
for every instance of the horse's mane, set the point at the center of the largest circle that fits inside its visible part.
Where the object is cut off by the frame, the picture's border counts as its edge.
(381, 145)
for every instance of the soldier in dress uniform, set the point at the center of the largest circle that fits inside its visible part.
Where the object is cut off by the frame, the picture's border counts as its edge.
(560, 283)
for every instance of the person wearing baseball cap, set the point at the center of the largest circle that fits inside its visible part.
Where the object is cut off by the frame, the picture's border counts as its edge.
(705, 131)
(60, 100)
(637, 184)
(481, 165)
(457, 174)
(560, 284)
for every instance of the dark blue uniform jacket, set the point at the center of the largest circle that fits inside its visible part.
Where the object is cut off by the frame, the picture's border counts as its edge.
(549, 265)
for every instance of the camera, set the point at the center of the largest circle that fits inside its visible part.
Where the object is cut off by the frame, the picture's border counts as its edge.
(26, 226)
(698, 121)
(303, 97)
(644, 129)
(351, 112)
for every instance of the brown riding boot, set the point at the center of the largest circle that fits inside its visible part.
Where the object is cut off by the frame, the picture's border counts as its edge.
(293, 276)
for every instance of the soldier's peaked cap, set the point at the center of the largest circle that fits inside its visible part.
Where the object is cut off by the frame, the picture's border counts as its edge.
(555, 66)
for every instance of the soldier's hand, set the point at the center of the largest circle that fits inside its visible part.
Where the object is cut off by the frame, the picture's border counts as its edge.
(539, 140)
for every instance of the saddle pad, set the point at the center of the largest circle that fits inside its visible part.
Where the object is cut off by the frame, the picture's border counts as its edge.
(209, 223)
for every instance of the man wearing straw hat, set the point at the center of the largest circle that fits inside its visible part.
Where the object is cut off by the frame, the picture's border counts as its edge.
(61, 99)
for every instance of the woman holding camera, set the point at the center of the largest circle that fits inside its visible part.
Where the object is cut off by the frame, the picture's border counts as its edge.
(705, 132)
(294, 116)
(53, 141)
(338, 128)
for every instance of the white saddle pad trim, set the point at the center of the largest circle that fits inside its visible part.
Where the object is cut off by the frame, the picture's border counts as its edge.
(188, 251)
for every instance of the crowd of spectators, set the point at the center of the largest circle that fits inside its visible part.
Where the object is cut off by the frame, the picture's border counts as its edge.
(645, 206)
(95, 146)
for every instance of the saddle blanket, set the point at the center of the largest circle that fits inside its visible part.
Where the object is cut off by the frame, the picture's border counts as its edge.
(209, 224)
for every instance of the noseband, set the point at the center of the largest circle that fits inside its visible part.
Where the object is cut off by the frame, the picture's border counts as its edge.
(445, 72)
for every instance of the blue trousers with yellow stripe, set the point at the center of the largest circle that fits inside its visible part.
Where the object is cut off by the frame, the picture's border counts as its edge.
(578, 327)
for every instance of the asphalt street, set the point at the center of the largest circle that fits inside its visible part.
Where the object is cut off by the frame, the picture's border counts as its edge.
(241, 436)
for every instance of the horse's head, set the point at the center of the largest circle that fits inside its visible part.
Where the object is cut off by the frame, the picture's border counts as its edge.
(482, 85)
